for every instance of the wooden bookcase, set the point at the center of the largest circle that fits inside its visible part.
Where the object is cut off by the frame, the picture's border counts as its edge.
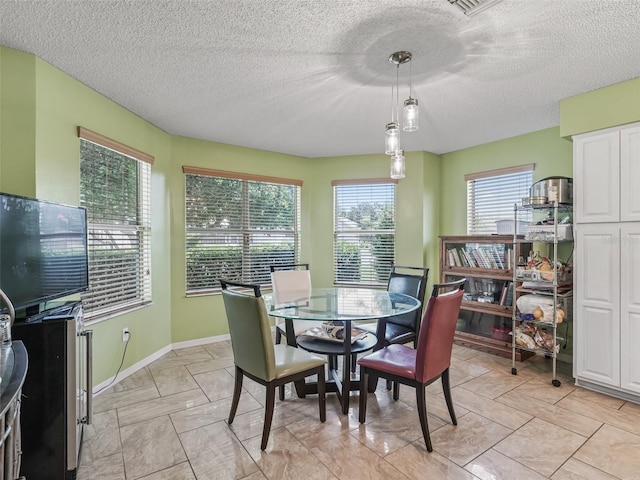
(486, 261)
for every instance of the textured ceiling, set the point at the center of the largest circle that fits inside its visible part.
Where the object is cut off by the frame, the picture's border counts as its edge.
(311, 77)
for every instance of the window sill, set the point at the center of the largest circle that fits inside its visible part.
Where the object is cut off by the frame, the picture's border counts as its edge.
(92, 320)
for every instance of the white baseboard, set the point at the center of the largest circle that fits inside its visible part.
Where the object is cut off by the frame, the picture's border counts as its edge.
(155, 356)
(200, 341)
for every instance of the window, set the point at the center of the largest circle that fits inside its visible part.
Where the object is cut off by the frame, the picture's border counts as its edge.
(492, 195)
(364, 231)
(115, 189)
(237, 226)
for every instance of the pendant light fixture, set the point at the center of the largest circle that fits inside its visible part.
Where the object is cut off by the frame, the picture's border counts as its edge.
(409, 117)
(397, 164)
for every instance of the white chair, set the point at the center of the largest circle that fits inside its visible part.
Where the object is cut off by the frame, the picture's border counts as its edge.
(290, 286)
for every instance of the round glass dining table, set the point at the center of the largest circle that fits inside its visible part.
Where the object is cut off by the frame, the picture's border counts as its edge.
(339, 305)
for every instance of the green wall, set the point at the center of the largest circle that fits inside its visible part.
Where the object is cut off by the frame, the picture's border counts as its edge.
(17, 122)
(203, 316)
(40, 108)
(603, 108)
(551, 154)
(431, 214)
(409, 207)
(41, 158)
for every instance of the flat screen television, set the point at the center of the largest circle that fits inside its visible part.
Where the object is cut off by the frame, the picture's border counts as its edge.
(43, 251)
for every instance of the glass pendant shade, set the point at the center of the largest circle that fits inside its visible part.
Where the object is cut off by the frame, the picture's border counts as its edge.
(397, 164)
(410, 115)
(391, 140)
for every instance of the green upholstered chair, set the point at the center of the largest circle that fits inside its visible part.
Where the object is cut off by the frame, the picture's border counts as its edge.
(256, 357)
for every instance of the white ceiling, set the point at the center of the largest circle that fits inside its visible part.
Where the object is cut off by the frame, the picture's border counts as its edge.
(312, 77)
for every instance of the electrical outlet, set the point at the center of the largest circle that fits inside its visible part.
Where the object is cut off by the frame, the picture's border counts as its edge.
(125, 334)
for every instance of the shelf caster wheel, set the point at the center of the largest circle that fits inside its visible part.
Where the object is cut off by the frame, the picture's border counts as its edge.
(555, 382)
(514, 371)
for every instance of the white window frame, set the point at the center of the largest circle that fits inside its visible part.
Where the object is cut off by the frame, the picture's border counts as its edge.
(250, 237)
(491, 196)
(112, 291)
(345, 232)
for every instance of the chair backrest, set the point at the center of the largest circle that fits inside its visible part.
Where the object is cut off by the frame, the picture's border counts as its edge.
(250, 330)
(289, 266)
(290, 286)
(435, 340)
(413, 284)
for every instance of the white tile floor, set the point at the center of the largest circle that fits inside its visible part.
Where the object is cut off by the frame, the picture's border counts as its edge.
(168, 422)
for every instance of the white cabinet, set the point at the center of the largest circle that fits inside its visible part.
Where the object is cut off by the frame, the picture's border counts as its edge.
(630, 307)
(607, 260)
(606, 168)
(596, 171)
(630, 174)
(597, 312)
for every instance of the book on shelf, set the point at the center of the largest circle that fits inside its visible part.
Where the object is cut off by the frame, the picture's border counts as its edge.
(477, 259)
(456, 258)
(470, 259)
(488, 258)
(464, 259)
(467, 258)
(452, 261)
(496, 257)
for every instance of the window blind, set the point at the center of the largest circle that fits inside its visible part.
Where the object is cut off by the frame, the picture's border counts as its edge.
(116, 191)
(236, 228)
(364, 233)
(491, 197)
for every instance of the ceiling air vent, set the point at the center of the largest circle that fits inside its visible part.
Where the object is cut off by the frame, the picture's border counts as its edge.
(473, 7)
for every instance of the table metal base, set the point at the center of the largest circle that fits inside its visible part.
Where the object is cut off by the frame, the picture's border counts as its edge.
(341, 386)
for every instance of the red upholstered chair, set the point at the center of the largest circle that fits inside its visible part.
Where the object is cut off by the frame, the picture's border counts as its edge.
(403, 328)
(429, 361)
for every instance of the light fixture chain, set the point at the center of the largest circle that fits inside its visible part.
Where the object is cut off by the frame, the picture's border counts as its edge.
(410, 78)
(398, 95)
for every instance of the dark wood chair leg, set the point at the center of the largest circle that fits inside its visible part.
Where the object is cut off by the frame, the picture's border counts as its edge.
(281, 392)
(396, 390)
(422, 412)
(373, 383)
(354, 361)
(237, 388)
(446, 388)
(322, 397)
(389, 384)
(278, 335)
(364, 383)
(268, 414)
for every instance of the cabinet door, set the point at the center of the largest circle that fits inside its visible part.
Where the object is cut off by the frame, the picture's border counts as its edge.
(630, 308)
(597, 308)
(596, 166)
(630, 174)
